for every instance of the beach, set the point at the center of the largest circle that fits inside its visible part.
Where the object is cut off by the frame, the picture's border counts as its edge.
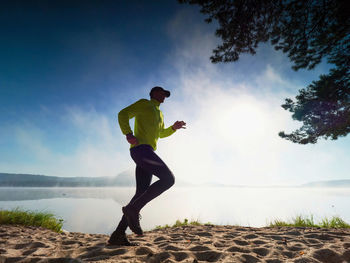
(206, 243)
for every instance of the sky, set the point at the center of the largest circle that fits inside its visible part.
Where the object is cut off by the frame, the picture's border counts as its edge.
(68, 67)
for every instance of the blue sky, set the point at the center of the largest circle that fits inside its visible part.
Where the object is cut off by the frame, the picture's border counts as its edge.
(67, 68)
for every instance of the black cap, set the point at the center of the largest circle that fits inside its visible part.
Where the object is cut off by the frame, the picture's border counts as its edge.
(157, 88)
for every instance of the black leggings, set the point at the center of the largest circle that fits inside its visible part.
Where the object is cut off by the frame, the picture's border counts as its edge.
(148, 163)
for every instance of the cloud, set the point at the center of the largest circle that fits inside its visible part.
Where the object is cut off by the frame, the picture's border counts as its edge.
(233, 122)
(98, 151)
(232, 138)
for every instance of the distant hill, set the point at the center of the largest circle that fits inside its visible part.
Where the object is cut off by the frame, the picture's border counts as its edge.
(126, 178)
(331, 183)
(32, 180)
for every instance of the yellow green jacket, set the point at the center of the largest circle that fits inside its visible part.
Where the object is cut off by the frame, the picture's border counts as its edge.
(149, 122)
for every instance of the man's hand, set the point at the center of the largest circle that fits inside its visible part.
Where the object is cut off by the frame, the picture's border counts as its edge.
(179, 125)
(132, 139)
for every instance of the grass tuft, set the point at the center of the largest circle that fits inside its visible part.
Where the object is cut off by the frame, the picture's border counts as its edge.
(303, 221)
(30, 218)
(179, 223)
(334, 222)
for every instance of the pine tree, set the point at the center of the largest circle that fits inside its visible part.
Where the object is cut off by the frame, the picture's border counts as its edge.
(307, 31)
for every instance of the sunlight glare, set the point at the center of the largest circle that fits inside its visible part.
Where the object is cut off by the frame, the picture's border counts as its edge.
(242, 122)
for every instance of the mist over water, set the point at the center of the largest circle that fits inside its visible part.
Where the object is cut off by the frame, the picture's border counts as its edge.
(98, 210)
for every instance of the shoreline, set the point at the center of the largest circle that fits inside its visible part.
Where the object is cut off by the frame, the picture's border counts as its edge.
(187, 244)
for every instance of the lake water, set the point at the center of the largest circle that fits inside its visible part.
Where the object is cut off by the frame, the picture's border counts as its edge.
(98, 210)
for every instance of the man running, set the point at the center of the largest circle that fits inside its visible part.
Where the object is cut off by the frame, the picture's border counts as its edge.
(149, 126)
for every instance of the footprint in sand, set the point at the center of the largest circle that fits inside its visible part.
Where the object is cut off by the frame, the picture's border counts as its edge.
(273, 261)
(199, 248)
(28, 252)
(346, 245)
(203, 234)
(230, 236)
(346, 256)
(116, 252)
(235, 249)
(37, 245)
(275, 237)
(159, 239)
(313, 241)
(251, 236)
(171, 248)
(69, 242)
(293, 233)
(304, 260)
(258, 242)
(175, 236)
(159, 257)
(289, 254)
(327, 256)
(296, 247)
(179, 256)
(91, 254)
(219, 244)
(261, 251)
(179, 239)
(241, 242)
(209, 256)
(163, 245)
(21, 245)
(319, 236)
(144, 251)
(242, 229)
(246, 258)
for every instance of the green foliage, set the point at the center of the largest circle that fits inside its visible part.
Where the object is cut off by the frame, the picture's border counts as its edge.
(179, 223)
(302, 221)
(323, 107)
(334, 222)
(307, 31)
(29, 218)
(298, 221)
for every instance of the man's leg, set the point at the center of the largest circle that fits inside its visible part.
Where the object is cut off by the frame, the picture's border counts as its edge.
(143, 181)
(155, 165)
(145, 157)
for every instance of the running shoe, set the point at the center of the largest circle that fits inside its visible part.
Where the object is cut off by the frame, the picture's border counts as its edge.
(119, 239)
(133, 219)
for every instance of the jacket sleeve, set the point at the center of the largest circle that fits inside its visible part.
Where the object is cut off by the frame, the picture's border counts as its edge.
(165, 132)
(128, 113)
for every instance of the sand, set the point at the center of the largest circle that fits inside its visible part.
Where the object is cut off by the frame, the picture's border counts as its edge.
(181, 244)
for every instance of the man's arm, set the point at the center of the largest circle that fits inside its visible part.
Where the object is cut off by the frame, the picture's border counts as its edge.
(170, 130)
(166, 132)
(123, 118)
(132, 139)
